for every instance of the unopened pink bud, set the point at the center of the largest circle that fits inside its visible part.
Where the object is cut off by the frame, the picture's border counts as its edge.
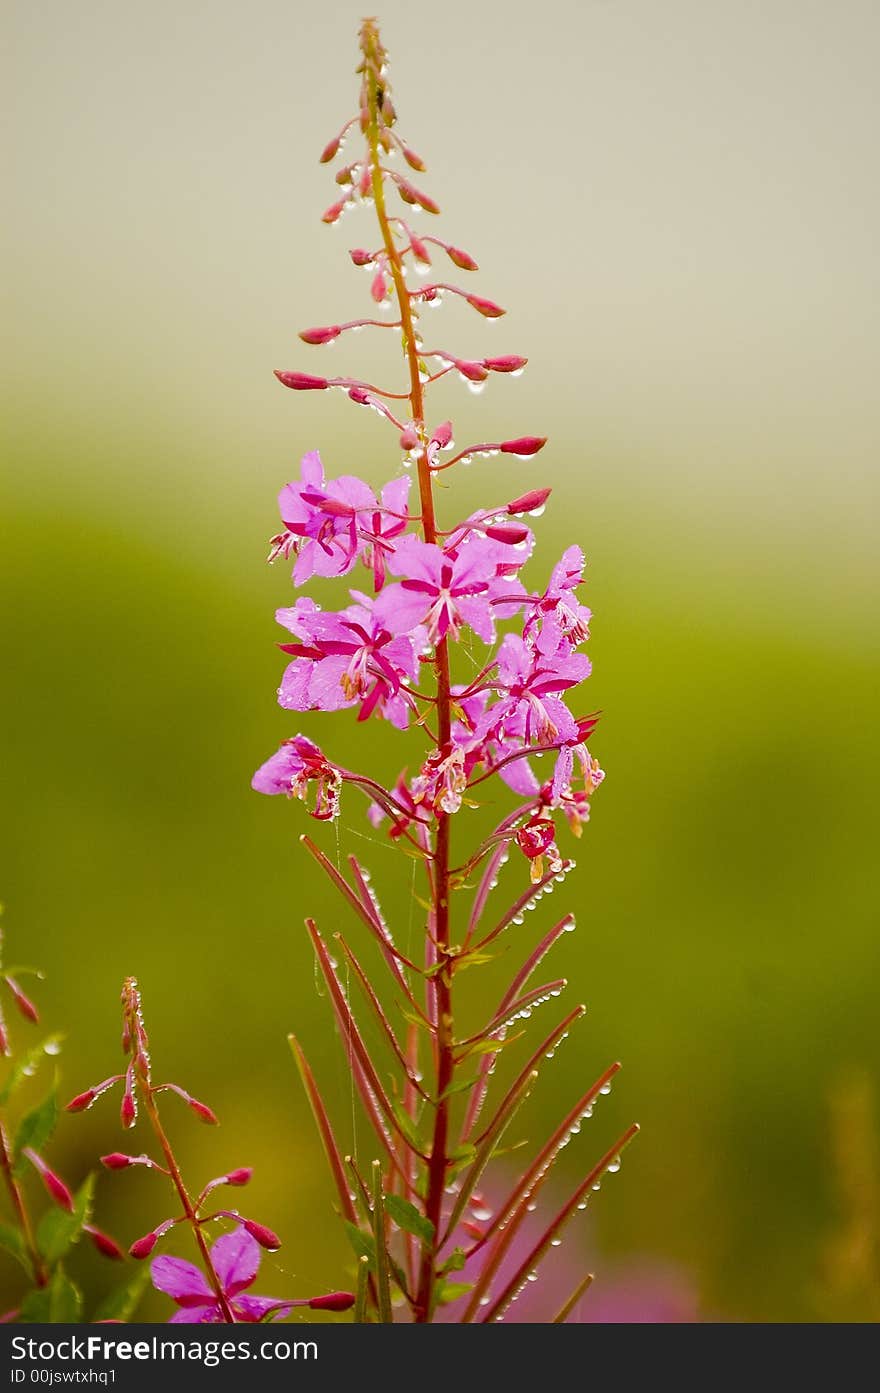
(82, 1101)
(128, 1110)
(474, 372)
(509, 362)
(366, 181)
(240, 1176)
(24, 1003)
(414, 196)
(525, 445)
(442, 435)
(105, 1245)
(345, 174)
(53, 1183)
(117, 1160)
(462, 259)
(507, 532)
(324, 335)
(334, 212)
(420, 250)
(409, 439)
(143, 1247)
(333, 1301)
(487, 308)
(361, 257)
(203, 1112)
(360, 395)
(379, 287)
(302, 381)
(265, 1237)
(413, 160)
(529, 502)
(331, 149)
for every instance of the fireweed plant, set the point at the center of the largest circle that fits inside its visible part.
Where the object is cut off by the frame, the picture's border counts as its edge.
(42, 1246)
(215, 1291)
(395, 653)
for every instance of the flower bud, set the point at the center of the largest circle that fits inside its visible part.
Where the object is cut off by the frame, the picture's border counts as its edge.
(474, 372)
(24, 1003)
(143, 1247)
(105, 1245)
(361, 257)
(526, 445)
(117, 1160)
(331, 149)
(82, 1101)
(53, 1183)
(203, 1112)
(415, 197)
(379, 286)
(334, 212)
(265, 1237)
(333, 1301)
(128, 1110)
(507, 532)
(509, 362)
(360, 396)
(487, 308)
(302, 381)
(413, 160)
(345, 174)
(529, 502)
(419, 249)
(324, 335)
(442, 435)
(409, 439)
(241, 1176)
(462, 259)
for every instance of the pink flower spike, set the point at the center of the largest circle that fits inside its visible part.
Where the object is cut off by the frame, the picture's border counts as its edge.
(333, 1301)
(302, 381)
(105, 1245)
(264, 1236)
(53, 1183)
(319, 336)
(529, 502)
(487, 308)
(24, 1003)
(509, 362)
(525, 446)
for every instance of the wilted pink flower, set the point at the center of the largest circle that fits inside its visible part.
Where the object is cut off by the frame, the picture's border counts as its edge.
(293, 767)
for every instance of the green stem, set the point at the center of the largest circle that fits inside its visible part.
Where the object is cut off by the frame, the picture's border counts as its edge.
(38, 1267)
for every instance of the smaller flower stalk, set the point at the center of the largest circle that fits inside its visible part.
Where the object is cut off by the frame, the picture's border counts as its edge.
(212, 1292)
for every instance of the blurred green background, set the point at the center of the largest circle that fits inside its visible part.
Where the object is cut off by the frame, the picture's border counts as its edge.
(676, 204)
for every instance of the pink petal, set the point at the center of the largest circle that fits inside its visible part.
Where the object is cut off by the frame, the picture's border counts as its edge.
(196, 1315)
(236, 1259)
(179, 1279)
(475, 611)
(253, 1308)
(400, 611)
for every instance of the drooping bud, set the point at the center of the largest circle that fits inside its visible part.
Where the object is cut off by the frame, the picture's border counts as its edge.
(442, 435)
(419, 249)
(487, 308)
(415, 198)
(413, 160)
(128, 1110)
(241, 1176)
(53, 1183)
(509, 362)
(323, 335)
(203, 1112)
(360, 395)
(361, 257)
(331, 150)
(143, 1247)
(302, 381)
(265, 1237)
(529, 502)
(474, 372)
(24, 1003)
(82, 1101)
(335, 211)
(409, 439)
(526, 445)
(379, 286)
(117, 1160)
(105, 1245)
(345, 175)
(333, 1301)
(462, 259)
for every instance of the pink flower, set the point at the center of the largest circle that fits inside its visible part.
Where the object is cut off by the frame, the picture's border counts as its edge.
(562, 618)
(347, 659)
(235, 1257)
(290, 770)
(532, 707)
(442, 589)
(329, 525)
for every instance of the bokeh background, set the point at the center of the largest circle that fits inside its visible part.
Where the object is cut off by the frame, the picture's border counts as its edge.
(678, 204)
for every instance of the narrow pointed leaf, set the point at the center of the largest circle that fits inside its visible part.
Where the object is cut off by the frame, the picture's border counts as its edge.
(568, 1306)
(325, 1130)
(383, 1284)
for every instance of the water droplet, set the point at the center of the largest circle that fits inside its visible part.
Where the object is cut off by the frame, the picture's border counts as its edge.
(605, 1089)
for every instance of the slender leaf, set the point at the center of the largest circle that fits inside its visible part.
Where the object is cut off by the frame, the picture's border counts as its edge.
(325, 1130)
(122, 1302)
(408, 1218)
(12, 1242)
(28, 1064)
(35, 1129)
(360, 1305)
(383, 1285)
(58, 1230)
(59, 1303)
(568, 1306)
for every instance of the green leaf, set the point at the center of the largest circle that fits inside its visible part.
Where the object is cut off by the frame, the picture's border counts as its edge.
(122, 1302)
(407, 1126)
(451, 1291)
(58, 1230)
(28, 1065)
(461, 1087)
(383, 1285)
(363, 1245)
(408, 1218)
(12, 1242)
(60, 1303)
(35, 1129)
(455, 1262)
